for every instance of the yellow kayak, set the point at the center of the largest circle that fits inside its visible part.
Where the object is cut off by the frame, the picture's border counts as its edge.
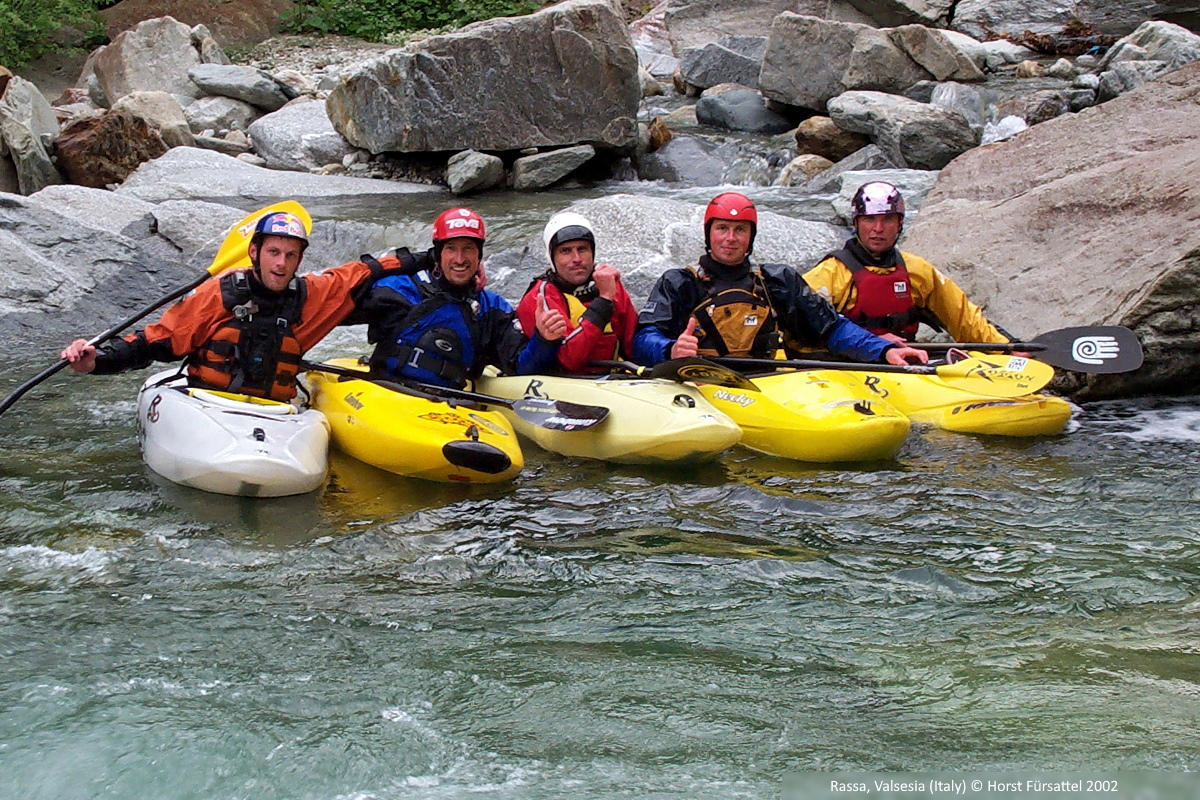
(814, 415)
(649, 421)
(927, 400)
(415, 435)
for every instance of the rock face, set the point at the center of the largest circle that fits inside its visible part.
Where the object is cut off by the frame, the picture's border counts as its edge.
(1091, 218)
(734, 59)
(695, 23)
(154, 56)
(234, 23)
(455, 92)
(98, 151)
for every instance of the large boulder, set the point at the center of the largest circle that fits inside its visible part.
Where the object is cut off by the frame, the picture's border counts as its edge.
(946, 57)
(220, 113)
(154, 56)
(810, 61)
(734, 59)
(26, 122)
(979, 18)
(695, 23)
(298, 137)
(914, 135)
(188, 173)
(102, 150)
(565, 75)
(540, 170)
(162, 111)
(1090, 218)
(908, 12)
(250, 85)
(738, 108)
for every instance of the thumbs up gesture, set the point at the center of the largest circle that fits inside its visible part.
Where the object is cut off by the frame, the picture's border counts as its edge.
(687, 344)
(550, 323)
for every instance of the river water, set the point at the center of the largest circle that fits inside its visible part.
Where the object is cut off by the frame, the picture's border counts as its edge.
(589, 631)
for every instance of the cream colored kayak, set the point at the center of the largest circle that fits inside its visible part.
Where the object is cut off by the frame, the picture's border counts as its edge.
(649, 421)
(415, 435)
(230, 443)
(815, 415)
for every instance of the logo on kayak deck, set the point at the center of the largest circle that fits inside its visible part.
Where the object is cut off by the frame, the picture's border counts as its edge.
(1095, 349)
(487, 423)
(534, 389)
(152, 415)
(989, 371)
(446, 418)
(353, 401)
(741, 399)
(872, 382)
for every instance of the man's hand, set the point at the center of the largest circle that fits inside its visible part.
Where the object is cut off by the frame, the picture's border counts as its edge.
(550, 322)
(80, 355)
(606, 278)
(687, 344)
(900, 356)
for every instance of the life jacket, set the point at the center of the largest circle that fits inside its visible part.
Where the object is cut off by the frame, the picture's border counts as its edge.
(738, 320)
(882, 303)
(252, 353)
(437, 339)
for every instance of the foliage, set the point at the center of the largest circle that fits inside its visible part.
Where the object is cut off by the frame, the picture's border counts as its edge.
(29, 26)
(387, 20)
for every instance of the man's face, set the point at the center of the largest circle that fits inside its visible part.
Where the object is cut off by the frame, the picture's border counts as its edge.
(574, 261)
(729, 241)
(459, 260)
(278, 258)
(878, 232)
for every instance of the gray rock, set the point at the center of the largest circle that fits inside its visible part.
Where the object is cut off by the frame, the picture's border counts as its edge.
(646, 235)
(9, 183)
(1086, 61)
(650, 42)
(966, 100)
(1103, 181)
(1002, 52)
(298, 137)
(251, 159)
(211, 52)
(908, 12)
(734, 59)
(1124, 51)
(253, 86)
(810, 60)
(1079, 99)
(1037, 106)
(531, 173)
(220, 113)
(188, 173)
(685, 159)
(937, 53)
(222, 145)
(472, 171)
(162, 111)
(695, 23)
(1062, 68)
(739, 109)
(870, 157)
(914, 184)
(802, 169)
(1159, 41)
(25, 116)
(1087, 81)
(444, 93)
(914, 135)
(155, 56)
(1114, 17)
(1127, 76)
(650, 85)
(99, 208)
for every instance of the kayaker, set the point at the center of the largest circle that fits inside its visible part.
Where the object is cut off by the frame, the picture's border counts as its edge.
(600, 315)
(890, 292)
(245, 330)
(436, 325)
(729, 305)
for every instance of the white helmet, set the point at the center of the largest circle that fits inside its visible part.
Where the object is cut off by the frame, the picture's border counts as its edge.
(876, 197)
(567, 226)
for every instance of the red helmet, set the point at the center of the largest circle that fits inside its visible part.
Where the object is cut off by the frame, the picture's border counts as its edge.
(876, 197)
(454, 223)
(731, 206)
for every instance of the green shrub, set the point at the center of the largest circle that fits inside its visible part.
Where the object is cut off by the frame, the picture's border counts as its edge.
(27, 27)
(376, 20)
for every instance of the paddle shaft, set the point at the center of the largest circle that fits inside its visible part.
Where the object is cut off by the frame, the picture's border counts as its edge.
(99, 339)
(856, 366)
(683, 370)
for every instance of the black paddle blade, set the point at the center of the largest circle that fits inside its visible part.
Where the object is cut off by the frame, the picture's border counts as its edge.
(1096, 349)
(558, 415)
(700, 370)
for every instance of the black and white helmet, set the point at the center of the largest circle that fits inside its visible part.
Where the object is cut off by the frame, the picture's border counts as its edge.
(567, 226)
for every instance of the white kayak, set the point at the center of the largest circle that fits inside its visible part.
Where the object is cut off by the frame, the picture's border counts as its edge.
(649, 421)
(230, 443)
